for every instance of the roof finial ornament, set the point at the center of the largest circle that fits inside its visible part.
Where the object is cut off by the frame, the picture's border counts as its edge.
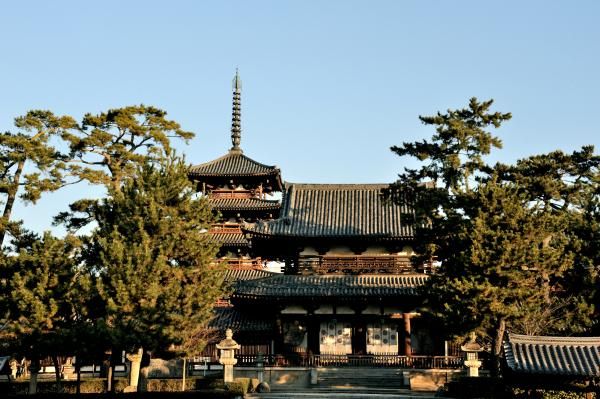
(236, 117)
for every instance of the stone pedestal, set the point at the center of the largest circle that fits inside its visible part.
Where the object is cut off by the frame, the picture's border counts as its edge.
(68, 370)
(472, 362)
(14, 367)
(228, 347)
(134, 370)
(473, 367)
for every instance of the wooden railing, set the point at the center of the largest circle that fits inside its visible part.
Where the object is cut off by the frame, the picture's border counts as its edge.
(244, 264)
(334, 360)
(225, 229)
(231, 194)
(356, 264)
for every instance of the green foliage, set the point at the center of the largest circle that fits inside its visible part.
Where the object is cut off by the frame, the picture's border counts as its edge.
(153, 258)
(109, 146)
(249, 384)
(455, 153)
(550, 394)
(40, 289)
(477, 387)
(518, 243)
(29, 163)
(87, 385)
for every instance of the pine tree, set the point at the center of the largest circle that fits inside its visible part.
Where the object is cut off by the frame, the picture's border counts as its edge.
(29, 163)
(40, 289)
(511, 239)
(154, 258)
(109, 146)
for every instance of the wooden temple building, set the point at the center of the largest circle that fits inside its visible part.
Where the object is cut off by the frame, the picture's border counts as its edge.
(347, 292)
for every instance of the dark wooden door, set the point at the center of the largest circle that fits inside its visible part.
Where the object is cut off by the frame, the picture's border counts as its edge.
(359, 339)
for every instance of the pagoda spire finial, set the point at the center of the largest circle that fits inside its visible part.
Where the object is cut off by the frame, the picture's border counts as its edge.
(236, 117)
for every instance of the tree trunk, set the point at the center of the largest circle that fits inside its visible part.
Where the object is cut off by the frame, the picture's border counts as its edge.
(56, 363)
(78, 371)
(497, 349)
(34, 368)
(10, 200)
(183, 375)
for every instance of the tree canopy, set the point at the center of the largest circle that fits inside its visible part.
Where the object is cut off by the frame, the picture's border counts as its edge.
(153, 258)
(29, 162)
(515, 242)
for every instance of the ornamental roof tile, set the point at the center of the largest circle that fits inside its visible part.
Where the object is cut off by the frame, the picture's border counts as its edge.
(247, 274)
(280, 285)
(234, 163)
(230, 239)
(230, 317)
(336, 210)
(232, 204)
(571, 356)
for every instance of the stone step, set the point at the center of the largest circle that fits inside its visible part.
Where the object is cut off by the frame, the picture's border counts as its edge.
(369, 378)
(317, 393)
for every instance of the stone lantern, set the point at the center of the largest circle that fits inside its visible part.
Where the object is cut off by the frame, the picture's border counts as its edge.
(228, 347)
(472, 362)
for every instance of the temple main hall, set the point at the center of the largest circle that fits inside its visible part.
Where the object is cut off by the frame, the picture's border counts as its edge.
(320, 274)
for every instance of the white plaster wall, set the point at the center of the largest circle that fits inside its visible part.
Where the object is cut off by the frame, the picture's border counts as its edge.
(324, 309)
(293, 310)
(344, 310)
(372, 309)
(309, 251)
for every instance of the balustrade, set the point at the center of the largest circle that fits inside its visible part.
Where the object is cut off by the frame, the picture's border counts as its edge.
(336, 360)
(357, 264)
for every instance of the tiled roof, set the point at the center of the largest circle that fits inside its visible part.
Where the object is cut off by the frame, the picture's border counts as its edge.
(227, 204)
(231, 239)
(246, 274)
(280, 285)
(571, 356)
(229, 317)
(336, 210)
(234, 163)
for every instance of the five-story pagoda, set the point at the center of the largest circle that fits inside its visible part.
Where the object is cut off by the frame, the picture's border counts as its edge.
(238, 188)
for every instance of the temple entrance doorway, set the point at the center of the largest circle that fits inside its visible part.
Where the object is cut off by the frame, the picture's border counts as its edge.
(359, 339)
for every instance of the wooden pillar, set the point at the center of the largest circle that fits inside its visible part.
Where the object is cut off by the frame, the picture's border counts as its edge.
(407, 343)
(278, 337)
(313, 329)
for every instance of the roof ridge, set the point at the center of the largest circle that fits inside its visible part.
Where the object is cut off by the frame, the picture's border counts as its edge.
(231, 154)
(335, 185)
(540, 339)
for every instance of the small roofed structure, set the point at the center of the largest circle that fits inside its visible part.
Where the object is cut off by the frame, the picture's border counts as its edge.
(565, 363)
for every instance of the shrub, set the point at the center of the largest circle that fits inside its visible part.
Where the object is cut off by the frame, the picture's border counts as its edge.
(173, 384)
(477, 387)
(244, 383)
(549, 394)
(236, 388)
(93, 385)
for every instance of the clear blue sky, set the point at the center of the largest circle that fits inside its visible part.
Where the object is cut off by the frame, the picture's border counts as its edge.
(329, 86)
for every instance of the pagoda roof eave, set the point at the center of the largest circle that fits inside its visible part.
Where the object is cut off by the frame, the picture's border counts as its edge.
(249, 231)
(321, 286)
(235, 164)
(250, 204)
